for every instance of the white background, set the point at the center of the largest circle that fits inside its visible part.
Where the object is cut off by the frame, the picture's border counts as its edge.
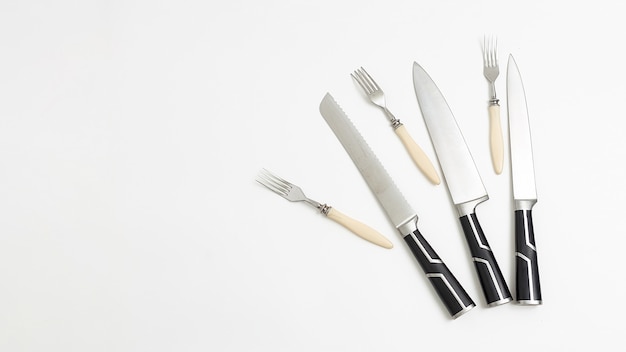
(131, 133)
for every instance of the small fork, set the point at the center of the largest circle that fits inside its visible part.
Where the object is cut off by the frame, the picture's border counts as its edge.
(377, 96)
(491, 72)
(294, 193)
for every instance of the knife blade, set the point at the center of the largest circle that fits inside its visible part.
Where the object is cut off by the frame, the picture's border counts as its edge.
(463, 181)
(398, 210)
(528, 289)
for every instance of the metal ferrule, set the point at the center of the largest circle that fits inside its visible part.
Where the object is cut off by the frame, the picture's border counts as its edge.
(468, 208)
(409, 226)
(324, 209)
(500, 302)
(530, 302)
(494, 101)
(524, 204)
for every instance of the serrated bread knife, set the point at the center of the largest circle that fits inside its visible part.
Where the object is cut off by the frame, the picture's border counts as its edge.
(527, 289)
(463, 180)
(452, 294)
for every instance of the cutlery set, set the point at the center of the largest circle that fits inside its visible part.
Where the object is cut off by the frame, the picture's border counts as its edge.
(462, 180)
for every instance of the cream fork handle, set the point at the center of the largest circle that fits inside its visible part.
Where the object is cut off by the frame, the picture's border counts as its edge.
(495, 138)
(359, 228)
(418, 155)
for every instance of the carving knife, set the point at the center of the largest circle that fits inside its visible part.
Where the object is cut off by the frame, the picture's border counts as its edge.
(452, 294)
(463, 180)
(527, 290)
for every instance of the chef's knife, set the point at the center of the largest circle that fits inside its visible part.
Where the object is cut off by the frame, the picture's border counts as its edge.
(463, 180)
(527, 290)
(452, 294)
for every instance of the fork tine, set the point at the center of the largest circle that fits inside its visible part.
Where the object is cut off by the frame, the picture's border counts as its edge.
(365, 80)
(266, 183)
(279, 182)
(277, 179)
(273, 182)
(495, 51)
(484, 47)
(369, 79)
(359, 80)
(365, 83)
(492, 52)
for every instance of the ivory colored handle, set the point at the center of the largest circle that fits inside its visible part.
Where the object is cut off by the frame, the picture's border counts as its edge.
(359, 228)
(495, 138)
(418, 155)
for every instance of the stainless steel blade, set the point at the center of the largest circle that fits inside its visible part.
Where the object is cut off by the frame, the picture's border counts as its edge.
(463, 180)
(522, 167)
(398, 210)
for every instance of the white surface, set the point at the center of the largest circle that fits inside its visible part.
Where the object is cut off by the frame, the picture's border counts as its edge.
(131, 133)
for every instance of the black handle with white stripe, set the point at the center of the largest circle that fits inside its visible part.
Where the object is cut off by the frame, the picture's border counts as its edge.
(528, 289)
(452, 294)
(491, 278)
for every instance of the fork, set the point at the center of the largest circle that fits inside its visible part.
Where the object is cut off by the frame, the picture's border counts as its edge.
(377, 96)
(491, 72)
(294, 193)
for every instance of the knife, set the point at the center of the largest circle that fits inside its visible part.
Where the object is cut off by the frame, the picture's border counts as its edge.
(452, 294)
(528, 289)
(463, 180)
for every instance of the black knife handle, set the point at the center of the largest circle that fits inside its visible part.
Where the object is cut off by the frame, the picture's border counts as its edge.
(452, 294)
(491, 278)
(528, 289)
